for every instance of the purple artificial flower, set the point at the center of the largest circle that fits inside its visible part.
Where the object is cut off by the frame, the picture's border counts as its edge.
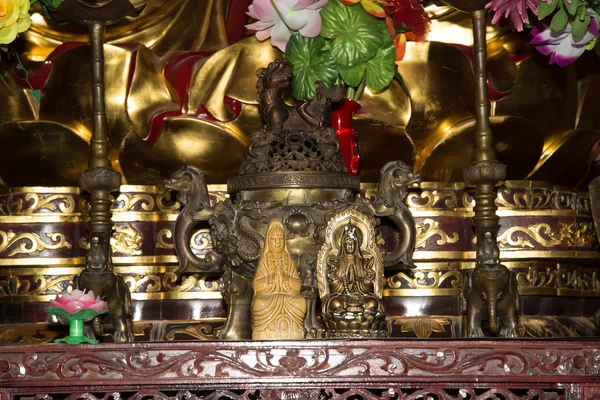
(515, 10)
(561, 46)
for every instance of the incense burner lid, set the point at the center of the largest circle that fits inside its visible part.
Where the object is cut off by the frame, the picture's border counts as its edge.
(308, 159)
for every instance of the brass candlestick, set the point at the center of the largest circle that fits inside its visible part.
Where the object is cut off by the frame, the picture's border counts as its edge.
(100, 179)
(490, 290)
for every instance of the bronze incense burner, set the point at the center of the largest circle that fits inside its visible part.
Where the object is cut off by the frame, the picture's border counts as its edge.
(295, 175)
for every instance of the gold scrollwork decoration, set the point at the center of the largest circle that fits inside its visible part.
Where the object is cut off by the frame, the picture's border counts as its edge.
(537, 277)
(425, 280)
(200, 331)
(127, 202)
(27, 333)
(31, 243)
(14, 285)
(165, 202)
(530, 199)
(144, 284)
(64, 203)
(432, 197)
(423, 327)
(428, 228)
(577, 234)
(201, 240)
(192, 283)
(161, 237)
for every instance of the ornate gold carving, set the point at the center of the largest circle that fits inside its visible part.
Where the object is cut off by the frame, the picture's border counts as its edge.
(165, 202)
(429, 228)
(425, 280)
(127, 202)
(64, 203)
(577, 234)
(202, 332)
(125, 240)
(537, 277)
(432, 197)
(151, 283)
(201, 239)
(423, 327)
(530, 199)
(31, 243)
(27, 333)
(160, 239)
(193, 283)
(14, 285)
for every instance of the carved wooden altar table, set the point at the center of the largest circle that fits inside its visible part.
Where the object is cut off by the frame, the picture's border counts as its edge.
(334, 369)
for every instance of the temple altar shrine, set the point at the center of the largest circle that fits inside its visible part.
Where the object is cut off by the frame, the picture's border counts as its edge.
(177, 96)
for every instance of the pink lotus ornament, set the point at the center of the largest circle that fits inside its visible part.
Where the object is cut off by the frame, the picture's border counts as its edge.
(76, 308)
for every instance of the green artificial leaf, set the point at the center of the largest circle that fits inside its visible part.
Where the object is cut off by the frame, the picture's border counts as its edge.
(354, 32)
(571, 7)
(353, 76)
(382, 67)
(546, 8)
(311, 64)
(4, 48)
(580, 24)
(84, 314)
(559, 21)
(592, 44)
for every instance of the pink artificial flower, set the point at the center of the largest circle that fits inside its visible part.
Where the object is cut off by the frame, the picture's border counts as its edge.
(516, 10)
(78, 300)
(561, 46)
(302, 16)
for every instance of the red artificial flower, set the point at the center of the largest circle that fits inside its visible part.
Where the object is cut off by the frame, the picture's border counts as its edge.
(411, 14)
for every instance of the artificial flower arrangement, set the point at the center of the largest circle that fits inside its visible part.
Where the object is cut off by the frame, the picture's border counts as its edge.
(15, 17)
(564, 29)
(76, 308)
(340, 41)
(355, 43)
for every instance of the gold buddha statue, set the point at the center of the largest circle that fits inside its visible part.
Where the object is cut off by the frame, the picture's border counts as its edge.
(184, 96)
(278, 308)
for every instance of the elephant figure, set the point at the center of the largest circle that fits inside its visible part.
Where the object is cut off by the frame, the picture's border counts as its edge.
(98, 276)
(490, 293)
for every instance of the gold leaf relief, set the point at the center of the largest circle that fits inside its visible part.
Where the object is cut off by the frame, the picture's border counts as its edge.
(63, 202)
(17, 333)
(432, 197)
(14, 285)
(161, 237)
(125, 240)
(423, 327)
(201, 240)
(202, 332)
(152, 283)
(166, 202)
(429, 228)
(530, 199)
(537, 277)
(31, 243)
(193, 283)
(571, 235)
(127, 202)
(425, 280)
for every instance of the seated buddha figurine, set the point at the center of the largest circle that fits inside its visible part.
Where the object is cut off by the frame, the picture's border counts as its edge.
(351, 276)
(278, 308)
